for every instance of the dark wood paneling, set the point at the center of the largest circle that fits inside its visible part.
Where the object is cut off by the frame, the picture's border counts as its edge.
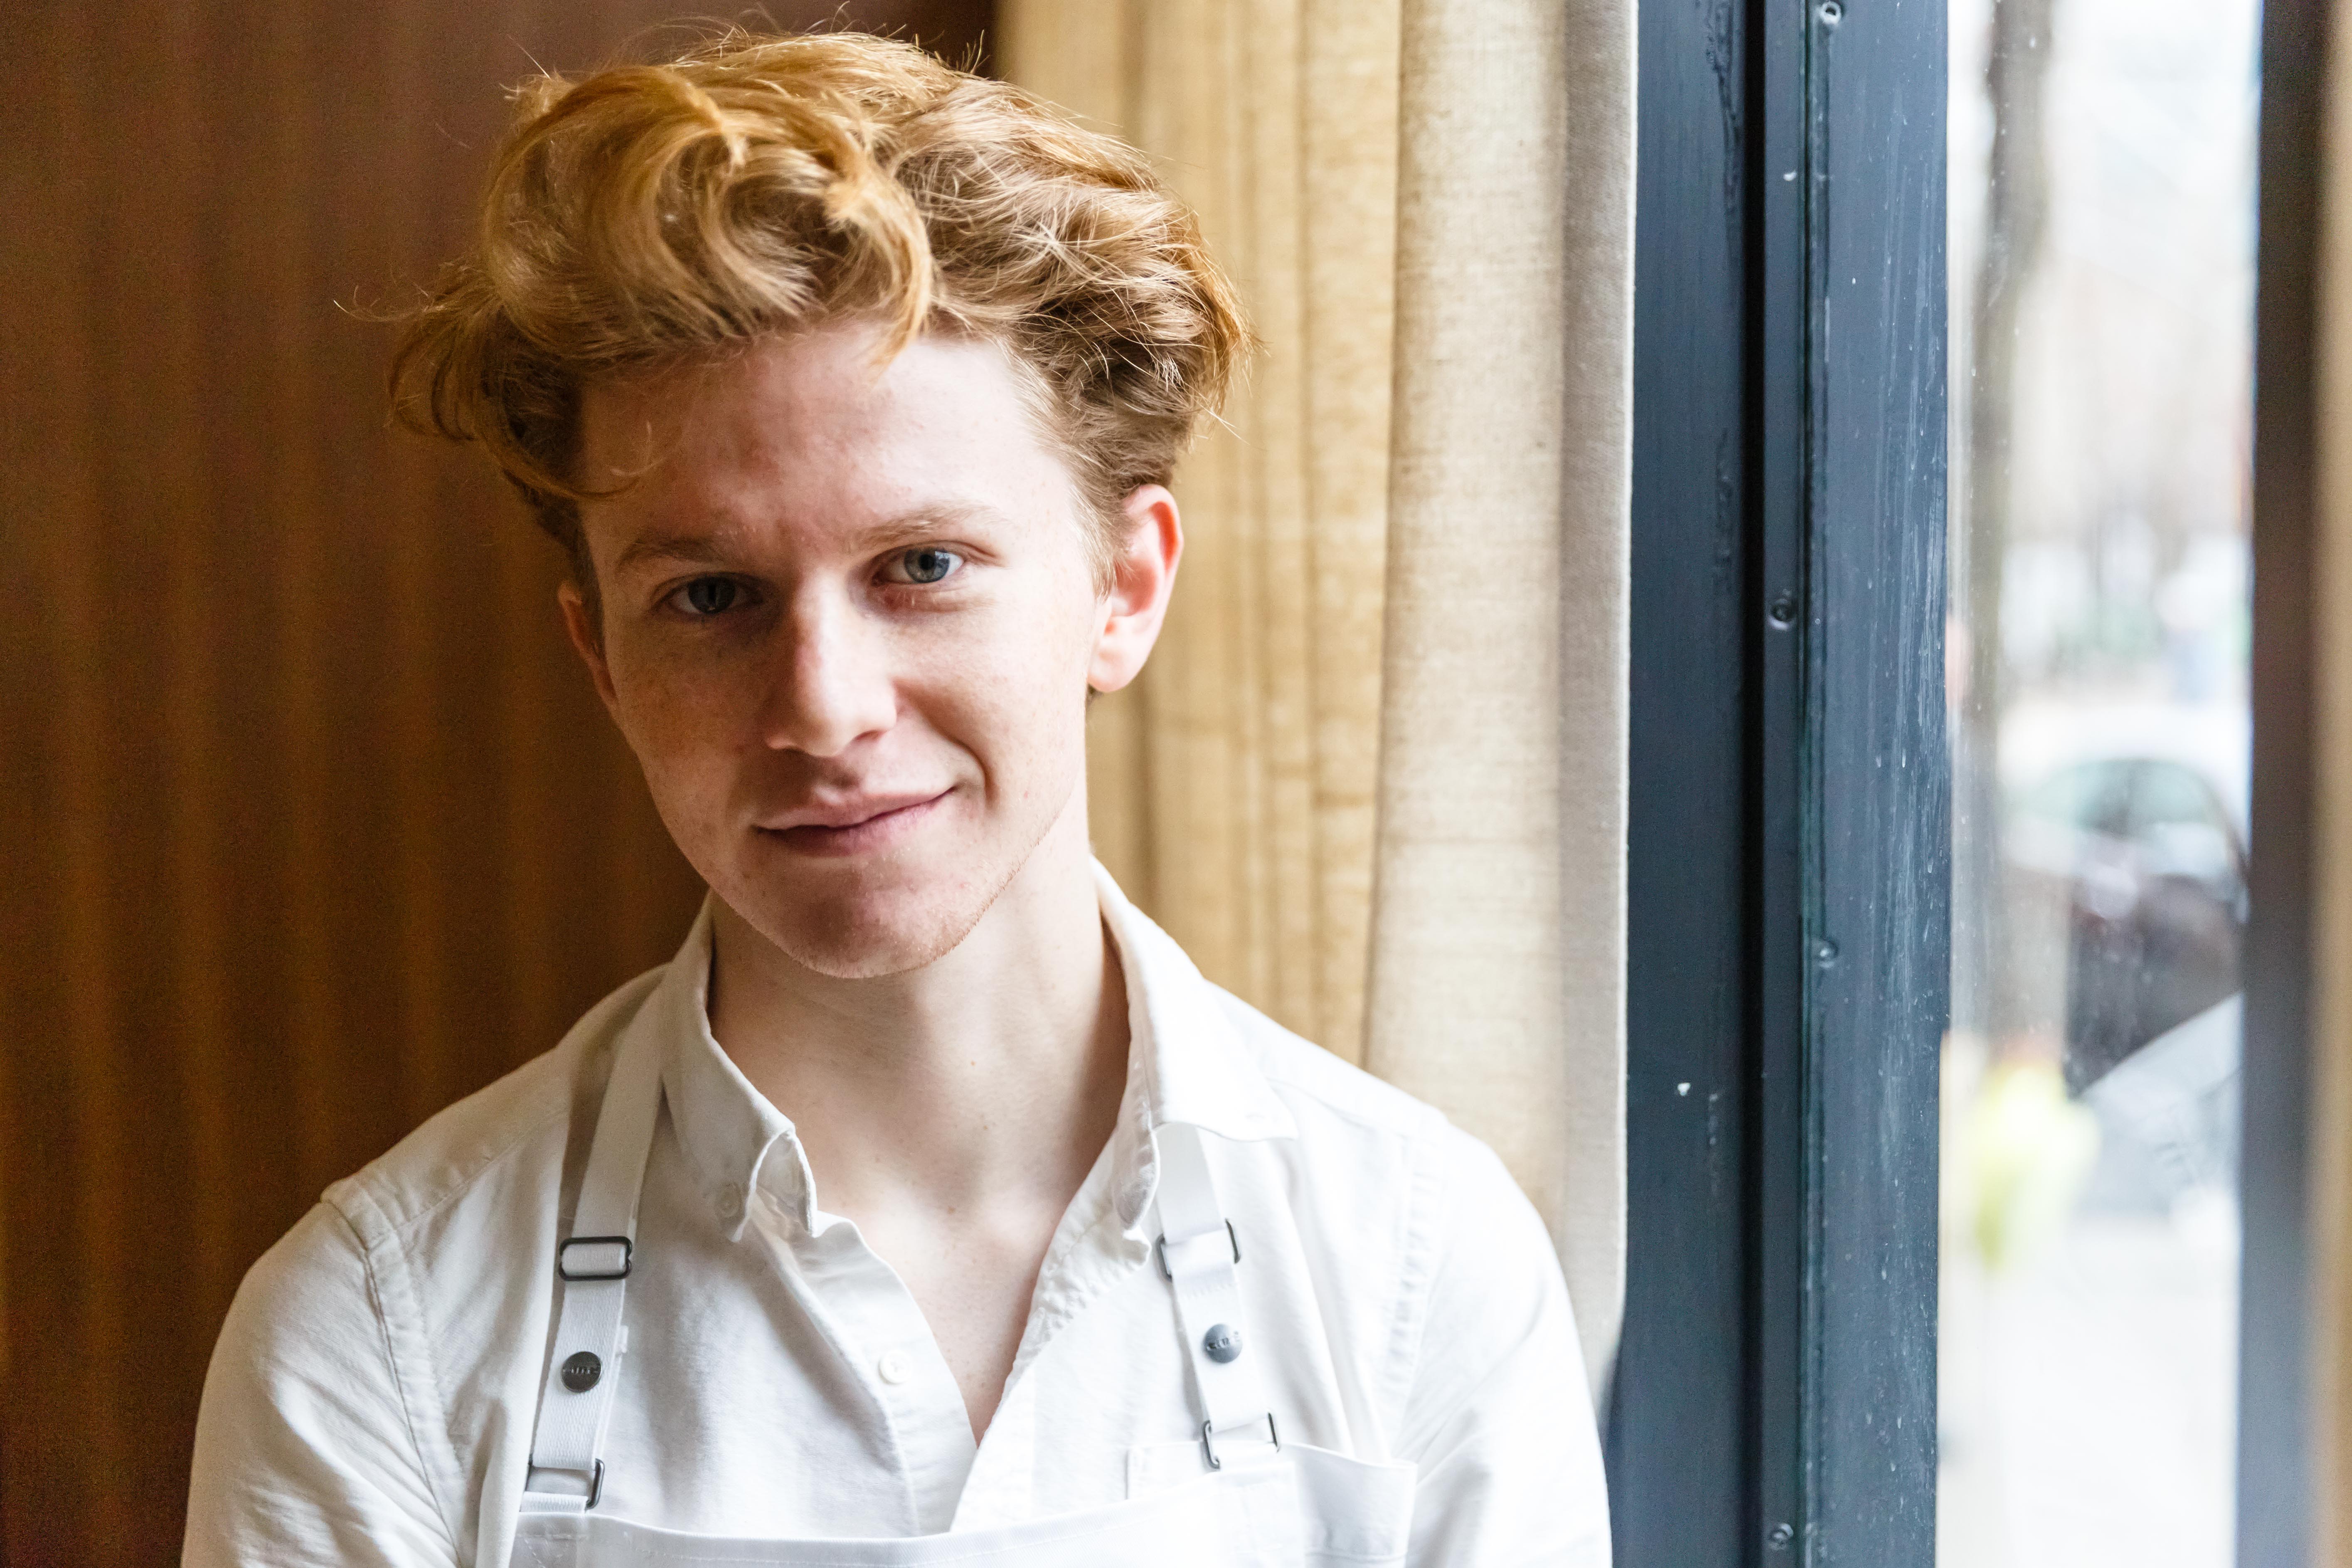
(311, 825)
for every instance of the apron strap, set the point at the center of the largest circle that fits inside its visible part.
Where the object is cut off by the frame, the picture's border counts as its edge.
(593, 1265)
(1199, 1252)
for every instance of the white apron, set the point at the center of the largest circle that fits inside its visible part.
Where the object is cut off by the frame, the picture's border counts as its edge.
(1264, 1503)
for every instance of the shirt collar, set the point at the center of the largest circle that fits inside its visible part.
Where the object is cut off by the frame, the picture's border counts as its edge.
(1187, 1063)
(735, 1140)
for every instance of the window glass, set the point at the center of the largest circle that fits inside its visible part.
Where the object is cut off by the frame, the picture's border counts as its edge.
(2102, 183)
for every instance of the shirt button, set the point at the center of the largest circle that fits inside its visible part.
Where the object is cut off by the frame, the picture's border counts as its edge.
(895, 1368)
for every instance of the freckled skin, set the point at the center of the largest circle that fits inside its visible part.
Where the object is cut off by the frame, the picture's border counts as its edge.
(791, 462)
(849, 624)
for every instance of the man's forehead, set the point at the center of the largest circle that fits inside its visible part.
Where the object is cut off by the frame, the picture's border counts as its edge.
(818, 414)
(684, 428)
(838, 375)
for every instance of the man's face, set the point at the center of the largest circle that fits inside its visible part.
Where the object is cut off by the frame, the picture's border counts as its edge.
(848, 627)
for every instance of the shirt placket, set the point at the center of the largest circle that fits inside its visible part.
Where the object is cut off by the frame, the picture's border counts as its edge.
(866, 1311)
(1089, 1254)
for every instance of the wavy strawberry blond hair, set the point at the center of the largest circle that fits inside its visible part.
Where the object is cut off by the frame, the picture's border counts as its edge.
(649, 215)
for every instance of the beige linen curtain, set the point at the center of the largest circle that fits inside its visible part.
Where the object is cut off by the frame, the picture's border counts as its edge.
(1233, 788)
(1397, 659)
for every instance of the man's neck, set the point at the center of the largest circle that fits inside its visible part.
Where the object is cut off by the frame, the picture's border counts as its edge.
(992, 1074)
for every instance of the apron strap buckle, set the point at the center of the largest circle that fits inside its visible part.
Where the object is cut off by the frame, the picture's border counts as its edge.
(609, 1260)
(1161, 1249)
(562, 1501)
(1209, 1450)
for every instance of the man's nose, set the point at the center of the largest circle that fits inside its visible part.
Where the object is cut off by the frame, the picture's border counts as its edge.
(831, 684)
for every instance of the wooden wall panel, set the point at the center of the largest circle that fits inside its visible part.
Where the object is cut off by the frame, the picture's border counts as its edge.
(309, 825)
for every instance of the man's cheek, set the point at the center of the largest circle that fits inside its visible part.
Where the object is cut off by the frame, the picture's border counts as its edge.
(679, 705)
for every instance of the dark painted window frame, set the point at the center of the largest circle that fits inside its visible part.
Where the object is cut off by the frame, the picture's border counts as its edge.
(1789, 844)
(1774, 1399)
(2275, 1477)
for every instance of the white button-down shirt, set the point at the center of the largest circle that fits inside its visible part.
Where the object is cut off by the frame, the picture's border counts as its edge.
(373, 1394)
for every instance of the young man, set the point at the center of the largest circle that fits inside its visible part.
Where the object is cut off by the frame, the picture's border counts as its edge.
(929, 1206)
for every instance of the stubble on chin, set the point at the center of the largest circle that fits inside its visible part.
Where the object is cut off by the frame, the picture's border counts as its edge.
(861, 934)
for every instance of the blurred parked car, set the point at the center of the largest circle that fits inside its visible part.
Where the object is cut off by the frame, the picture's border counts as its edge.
(2149, 870)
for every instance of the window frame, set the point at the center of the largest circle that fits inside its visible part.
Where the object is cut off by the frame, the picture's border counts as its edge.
(1789, 841)
(2274, 1524)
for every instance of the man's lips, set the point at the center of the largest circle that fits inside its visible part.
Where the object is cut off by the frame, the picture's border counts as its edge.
(851, 811)
(847, 826)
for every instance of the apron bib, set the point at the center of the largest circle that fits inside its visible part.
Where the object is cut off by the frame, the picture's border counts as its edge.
(1263, 1503)
(1247, 1518)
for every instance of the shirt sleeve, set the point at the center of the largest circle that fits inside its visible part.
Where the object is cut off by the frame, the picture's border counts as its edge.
(304, 1451)
(1500, 1418)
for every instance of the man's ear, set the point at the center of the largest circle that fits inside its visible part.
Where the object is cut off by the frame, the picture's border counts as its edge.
(587, 641)
(1143, 573)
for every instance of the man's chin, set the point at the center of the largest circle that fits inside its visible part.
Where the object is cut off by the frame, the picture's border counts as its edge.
(872, 960)
(867, 938)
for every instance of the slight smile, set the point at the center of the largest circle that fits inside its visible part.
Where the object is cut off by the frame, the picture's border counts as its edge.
(882, 826)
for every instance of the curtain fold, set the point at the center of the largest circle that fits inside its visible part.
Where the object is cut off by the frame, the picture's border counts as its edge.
(1497, 953)
(1398, 652)
(1232, 787)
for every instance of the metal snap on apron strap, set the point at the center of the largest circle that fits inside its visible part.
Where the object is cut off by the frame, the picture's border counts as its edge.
(1201, 1253)
(593, 1264)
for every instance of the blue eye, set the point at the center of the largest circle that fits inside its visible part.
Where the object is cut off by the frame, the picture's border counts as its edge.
(711, 595)
(929, 564)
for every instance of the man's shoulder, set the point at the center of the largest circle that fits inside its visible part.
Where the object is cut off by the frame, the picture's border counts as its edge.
(1389, 1148)
(1329, 1089)
(1406, 1219)
(516, 1128)
(372, 1350)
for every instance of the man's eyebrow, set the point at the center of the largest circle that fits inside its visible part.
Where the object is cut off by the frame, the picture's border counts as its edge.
(707, 550)
(697, 550)
(918, 521)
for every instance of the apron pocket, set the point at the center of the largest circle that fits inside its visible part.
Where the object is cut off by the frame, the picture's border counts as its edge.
(1354, 1512)
(1357, 1513)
